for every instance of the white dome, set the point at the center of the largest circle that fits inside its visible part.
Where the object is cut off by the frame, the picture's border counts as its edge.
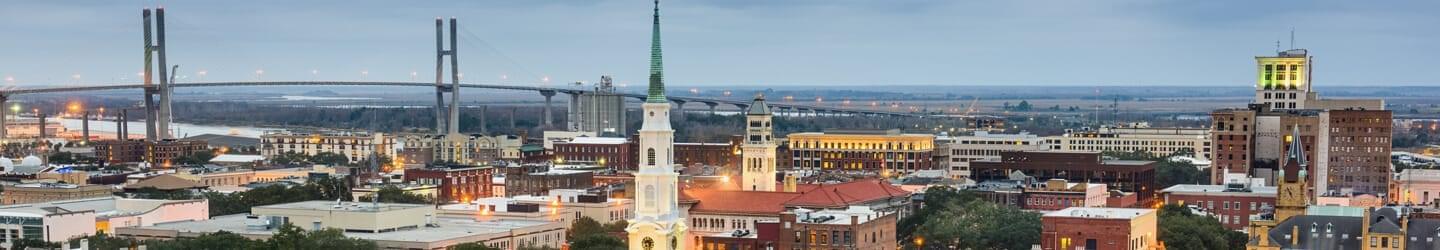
(30, 164)
(6, 165)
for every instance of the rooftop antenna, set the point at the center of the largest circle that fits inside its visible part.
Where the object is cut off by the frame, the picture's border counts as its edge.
(1292, 37)
(1277, 46)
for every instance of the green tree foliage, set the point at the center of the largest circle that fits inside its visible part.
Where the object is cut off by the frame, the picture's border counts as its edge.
(290, 158)
(1180, 229)
(470, 246)
(221, 240)
(24, 243)
(241, 202)
(957, 219)
(587, 233)
(154, 193)
(197, 158)
(392, 194)
(292, 237)
(330, 159)
(1167, 172)
(597, 242)
(100, 240)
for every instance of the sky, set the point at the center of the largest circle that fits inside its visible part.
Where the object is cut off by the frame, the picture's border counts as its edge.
(717, 43)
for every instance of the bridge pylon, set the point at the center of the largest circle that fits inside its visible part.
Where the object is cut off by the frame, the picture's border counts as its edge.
(446, 122)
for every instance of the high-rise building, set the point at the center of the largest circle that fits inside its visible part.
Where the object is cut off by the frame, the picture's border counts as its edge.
(601, 111)
(759, 148)
(1284, 80)
(659, 222)
(1348, 140)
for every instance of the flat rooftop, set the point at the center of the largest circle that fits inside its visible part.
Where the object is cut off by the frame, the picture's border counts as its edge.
(1218, 190)
(1100, 213)
(344, 206)
(449, 228)
(102, 206)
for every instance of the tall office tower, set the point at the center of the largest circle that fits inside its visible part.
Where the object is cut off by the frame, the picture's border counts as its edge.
(602, 111)
(658, 223)
(1284, 80)
(759, 148)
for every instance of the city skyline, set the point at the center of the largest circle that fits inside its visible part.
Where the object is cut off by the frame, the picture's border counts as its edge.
(916, 43)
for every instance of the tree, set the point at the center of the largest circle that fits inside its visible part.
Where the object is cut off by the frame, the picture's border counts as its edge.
(24, 243)
(953, 219)
(290, 158)
(330, 159)
(470, 246)
(393, 194)
(1180, 229)
(197, 158)
(221, 240)
(291, 237)
(1024, 106)
(585, 226)
(63, 158)
(241, 202)
(1168, 172)
(157, 194)
(597, 242)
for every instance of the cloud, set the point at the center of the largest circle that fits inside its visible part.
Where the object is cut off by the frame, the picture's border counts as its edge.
(750, 42)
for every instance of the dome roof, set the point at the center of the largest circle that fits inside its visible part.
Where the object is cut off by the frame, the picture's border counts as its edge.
(29, 164)
(6, 164)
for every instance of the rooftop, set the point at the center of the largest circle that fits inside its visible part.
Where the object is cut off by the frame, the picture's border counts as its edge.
(102, 206)
(1100, 213)
(343, 206)
(598, 140)
(1219, 189)
(449, 228)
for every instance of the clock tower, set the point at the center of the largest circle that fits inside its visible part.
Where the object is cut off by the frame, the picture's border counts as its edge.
(1291, 194)
(658, 222)
(759, 149)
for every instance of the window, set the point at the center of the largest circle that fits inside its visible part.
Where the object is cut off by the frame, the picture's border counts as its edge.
(650, 157)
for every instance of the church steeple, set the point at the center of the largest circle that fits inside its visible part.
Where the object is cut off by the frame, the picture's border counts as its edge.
(657, 67)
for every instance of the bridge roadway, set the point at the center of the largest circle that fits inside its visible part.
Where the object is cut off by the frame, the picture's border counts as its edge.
(712, 102)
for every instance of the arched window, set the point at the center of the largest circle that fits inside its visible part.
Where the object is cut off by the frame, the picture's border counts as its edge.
(650, 196)
(650, 157)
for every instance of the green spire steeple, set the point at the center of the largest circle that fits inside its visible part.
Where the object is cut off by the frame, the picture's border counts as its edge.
(657, 76)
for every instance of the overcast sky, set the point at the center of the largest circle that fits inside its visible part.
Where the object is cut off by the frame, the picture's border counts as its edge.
(735, 42)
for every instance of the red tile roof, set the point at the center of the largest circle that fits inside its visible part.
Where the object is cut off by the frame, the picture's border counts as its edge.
(846, 194)
(807, 195)
(739, 202)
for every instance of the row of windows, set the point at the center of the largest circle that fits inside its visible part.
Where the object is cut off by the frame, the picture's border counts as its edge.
(1279, 95)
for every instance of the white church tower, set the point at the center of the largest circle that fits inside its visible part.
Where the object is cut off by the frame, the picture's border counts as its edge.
(759, 149)
(657, 224)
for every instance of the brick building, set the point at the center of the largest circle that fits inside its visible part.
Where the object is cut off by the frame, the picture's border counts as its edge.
(539, 179)
(1231, 204)
(47, 192)
(458, 183)
(1050, 195)
(856, 227)
(1099, 228)
(1088, 167)
(1348, 139)
(620, 154)
(877, 151)
(724, 155)
(614, 153)
(164, 151)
